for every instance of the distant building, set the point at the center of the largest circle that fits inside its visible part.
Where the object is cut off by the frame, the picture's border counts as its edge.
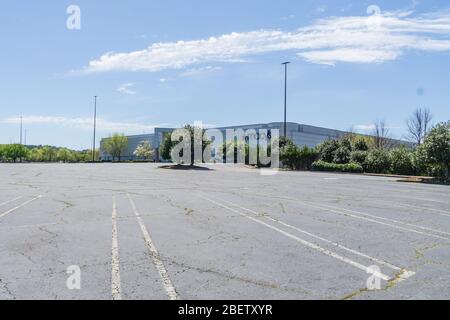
(300, 134)
(155, 140)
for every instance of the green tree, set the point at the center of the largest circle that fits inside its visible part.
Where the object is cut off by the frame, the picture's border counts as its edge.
(168, 144)
(231, 150)
(65, 155)
(378, 161)
(360, 145)
(2, 152)
(436, 148)
(342, 155)
(401, 161)
(144, 151)
(116, 145)
(289, 155)
(35, 155)
(297, 158)
(48, 153)
(358, 156)
(327, 150)
(14, 152)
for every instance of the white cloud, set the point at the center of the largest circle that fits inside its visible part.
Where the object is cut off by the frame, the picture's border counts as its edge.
(371, 127)
(126, 88)
(353, 55)
(356, 39)
(85, 123)
(365, 127)
(199, 71)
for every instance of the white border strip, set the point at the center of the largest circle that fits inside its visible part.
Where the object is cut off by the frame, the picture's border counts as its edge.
(7, 202)
(115, 264)
(4, 214)
(168, 286)
(305, 243)
(355, 252)
(347, 214)
(364, 216)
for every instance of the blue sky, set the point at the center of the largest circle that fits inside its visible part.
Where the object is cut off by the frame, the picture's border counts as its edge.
(167, 63)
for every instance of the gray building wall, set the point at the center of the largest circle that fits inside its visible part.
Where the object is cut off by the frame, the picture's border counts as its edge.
(155, 140)
(300, 134)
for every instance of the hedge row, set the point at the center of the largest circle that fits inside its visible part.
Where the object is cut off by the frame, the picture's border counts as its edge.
(335, 167)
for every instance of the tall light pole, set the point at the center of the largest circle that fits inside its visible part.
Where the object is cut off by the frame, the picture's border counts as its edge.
(285, 97)
(21, 128)
(95, 127)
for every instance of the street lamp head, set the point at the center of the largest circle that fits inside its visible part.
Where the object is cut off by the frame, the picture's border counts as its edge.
(287, 62)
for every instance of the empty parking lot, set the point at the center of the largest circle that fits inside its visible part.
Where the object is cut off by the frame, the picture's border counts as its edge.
(139, 232)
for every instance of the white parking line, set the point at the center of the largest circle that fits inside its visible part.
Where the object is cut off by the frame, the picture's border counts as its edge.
(4, 214)
(26, 226)
(304, 242)
(9, 201)
(379, 261)
(439, 211)
(115, 269)
(387, 219)
(345, 212)
(168, 286)
(364, 216)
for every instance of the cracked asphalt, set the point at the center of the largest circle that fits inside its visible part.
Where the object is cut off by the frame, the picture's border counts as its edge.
(139, 232)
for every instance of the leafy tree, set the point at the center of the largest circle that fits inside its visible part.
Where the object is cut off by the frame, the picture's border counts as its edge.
(116, 145)
(48, 153)
(2, 152)
(295, 157)
(327, 150)
(289, 155)
(231, 149)
(401, 161)
(14, 152)
(168, 144)
(378, 161)
(65, 155)
(144, 151)
(436, 148)
(358, 156)
(342, 155)
(35, 155)
(360, 145)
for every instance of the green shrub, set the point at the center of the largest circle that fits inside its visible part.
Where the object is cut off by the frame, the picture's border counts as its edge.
(297, 158)
(438, 171)
(378, 161)
(419, 163)
(345, 143)
(401, 161)
(327, 150)
(307, 157)
(14, 152)
(436, 150)
(334, 167)
(358, 156)
(360, 145)
(342, 155)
